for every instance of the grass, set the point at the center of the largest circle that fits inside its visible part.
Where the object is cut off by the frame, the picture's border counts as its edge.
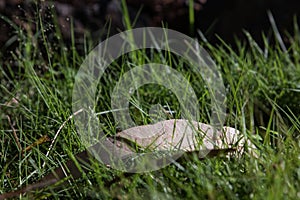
(263, 91)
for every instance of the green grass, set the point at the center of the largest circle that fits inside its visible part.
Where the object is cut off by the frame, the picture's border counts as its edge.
(263, 91)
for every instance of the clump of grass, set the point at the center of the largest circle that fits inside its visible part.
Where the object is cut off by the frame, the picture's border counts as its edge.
(263, 103)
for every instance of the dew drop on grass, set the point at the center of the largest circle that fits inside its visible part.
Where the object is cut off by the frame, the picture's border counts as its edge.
(131, 90)
(168, 71)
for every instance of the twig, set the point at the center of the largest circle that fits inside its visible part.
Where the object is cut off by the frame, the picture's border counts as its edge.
(57, 133)
(41, 140)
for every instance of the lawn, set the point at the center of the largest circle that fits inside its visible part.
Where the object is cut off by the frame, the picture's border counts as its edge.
(262, 88)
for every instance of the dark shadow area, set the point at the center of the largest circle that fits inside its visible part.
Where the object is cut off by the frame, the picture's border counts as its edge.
(99, 18)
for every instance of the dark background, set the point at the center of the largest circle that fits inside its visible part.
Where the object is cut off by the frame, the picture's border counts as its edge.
(224, 18)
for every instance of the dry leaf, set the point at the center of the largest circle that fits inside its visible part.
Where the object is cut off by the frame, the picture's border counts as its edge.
(183, 135)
